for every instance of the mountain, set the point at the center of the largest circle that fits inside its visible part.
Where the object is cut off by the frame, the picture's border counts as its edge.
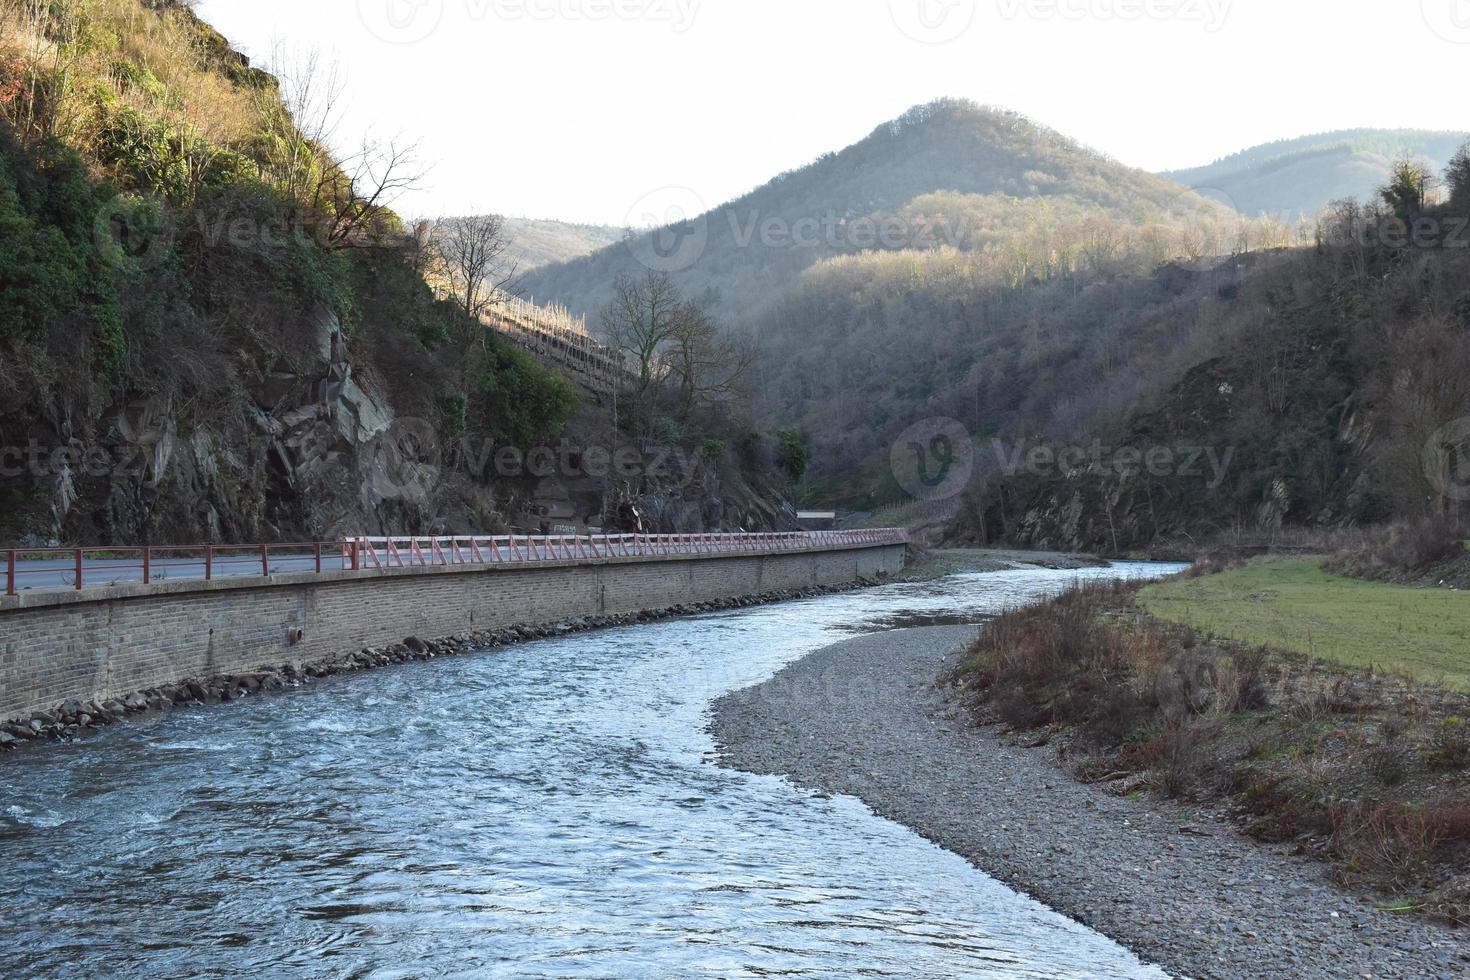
(1297, 178)
(950, 174)
(536, 242)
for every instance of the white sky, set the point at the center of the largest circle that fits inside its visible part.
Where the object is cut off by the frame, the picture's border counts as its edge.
(579, 109)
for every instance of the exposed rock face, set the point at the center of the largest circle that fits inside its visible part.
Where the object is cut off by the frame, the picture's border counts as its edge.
(309, 450)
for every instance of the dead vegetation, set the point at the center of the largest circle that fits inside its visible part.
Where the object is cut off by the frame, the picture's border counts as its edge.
(1431, 550)
(1365, 770)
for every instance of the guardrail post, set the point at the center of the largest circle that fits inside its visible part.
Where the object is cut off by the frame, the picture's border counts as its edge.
(208, 562)
(147, 565)
(265, 561)
(318, 550)
(79, 569)
(356, 555)
(10, 573)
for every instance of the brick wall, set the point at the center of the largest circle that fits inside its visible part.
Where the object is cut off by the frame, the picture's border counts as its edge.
(110, 642)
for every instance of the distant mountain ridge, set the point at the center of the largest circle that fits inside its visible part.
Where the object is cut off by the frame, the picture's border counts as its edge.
(1299, 177)
(536, 242)
(756, 247)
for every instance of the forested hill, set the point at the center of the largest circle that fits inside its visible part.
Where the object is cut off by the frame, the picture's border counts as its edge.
(1300, 177)
(947, 174)
(538, 242)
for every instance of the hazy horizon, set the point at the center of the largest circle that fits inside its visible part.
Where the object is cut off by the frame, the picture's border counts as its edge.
(704, 95)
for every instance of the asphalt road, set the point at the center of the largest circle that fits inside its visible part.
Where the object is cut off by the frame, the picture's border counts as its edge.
(51, 574)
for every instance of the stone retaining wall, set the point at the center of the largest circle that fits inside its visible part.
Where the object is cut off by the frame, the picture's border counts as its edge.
(105, 643)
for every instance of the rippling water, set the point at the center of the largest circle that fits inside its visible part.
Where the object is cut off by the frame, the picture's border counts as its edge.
(547, 810)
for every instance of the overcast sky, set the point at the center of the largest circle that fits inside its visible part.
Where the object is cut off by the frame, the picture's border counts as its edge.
(579, 109)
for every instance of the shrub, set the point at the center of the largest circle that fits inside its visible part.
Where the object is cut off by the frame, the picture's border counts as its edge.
(1451, 902)
(1384, 845)
(1449, 747)
(792, 453)
(1389, 764)
(516, 400)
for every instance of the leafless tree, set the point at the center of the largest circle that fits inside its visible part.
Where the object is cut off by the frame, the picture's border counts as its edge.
(301, 119)
(354, 202)
(474, 261)
(349, 196)
(680, 359)
(703, 361)
(640, 322)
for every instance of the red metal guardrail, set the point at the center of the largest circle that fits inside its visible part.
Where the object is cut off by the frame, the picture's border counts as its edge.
(77, 568)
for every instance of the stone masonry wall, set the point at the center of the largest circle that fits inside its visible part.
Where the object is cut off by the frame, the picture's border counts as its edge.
(105, 643)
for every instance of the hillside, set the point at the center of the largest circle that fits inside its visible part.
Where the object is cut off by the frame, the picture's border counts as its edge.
(1278, 387)
(537, 242)
(1298, 178)
(947, 174)
(213, 327)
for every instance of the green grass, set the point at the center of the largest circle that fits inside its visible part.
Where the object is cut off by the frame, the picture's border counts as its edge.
(1294, 605)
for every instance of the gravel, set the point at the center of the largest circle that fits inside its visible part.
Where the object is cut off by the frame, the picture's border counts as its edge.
(1182, 889)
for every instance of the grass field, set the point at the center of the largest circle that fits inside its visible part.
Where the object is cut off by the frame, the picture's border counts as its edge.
(1294, 605)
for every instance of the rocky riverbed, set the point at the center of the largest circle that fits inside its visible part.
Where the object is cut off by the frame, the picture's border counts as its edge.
(1181, 888)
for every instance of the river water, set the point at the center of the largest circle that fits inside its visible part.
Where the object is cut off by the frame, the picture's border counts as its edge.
(552, 809)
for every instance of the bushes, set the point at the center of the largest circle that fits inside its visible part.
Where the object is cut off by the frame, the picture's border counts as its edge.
(144, 155)
(50, 270)
(517, 401)
(1353, 762)
(1116, 675)
(1403, 551)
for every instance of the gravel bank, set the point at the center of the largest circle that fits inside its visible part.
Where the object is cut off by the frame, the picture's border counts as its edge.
(1181, 889)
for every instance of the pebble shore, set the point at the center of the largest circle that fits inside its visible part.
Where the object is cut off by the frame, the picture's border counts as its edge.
(1182, 889)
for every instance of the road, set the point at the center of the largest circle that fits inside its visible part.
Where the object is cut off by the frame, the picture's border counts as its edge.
(59, 571)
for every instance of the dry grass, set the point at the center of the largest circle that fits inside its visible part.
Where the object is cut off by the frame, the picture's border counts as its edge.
(1365, 770)
(63, 44)
(1433, 548)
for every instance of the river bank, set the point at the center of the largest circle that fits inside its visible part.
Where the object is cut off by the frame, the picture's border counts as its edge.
(76, 719)
(546, 809)
(1180, 887)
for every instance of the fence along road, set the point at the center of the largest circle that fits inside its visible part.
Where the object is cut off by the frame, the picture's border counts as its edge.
(54, 569)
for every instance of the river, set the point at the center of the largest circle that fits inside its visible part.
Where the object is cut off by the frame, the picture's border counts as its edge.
(552, 809)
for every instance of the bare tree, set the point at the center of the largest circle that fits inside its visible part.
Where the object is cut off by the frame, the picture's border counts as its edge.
(354, 201)
(474, 261)
(701, 359)
(348, 197)
(301, 120)
(639, 322)
(1457, 179)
